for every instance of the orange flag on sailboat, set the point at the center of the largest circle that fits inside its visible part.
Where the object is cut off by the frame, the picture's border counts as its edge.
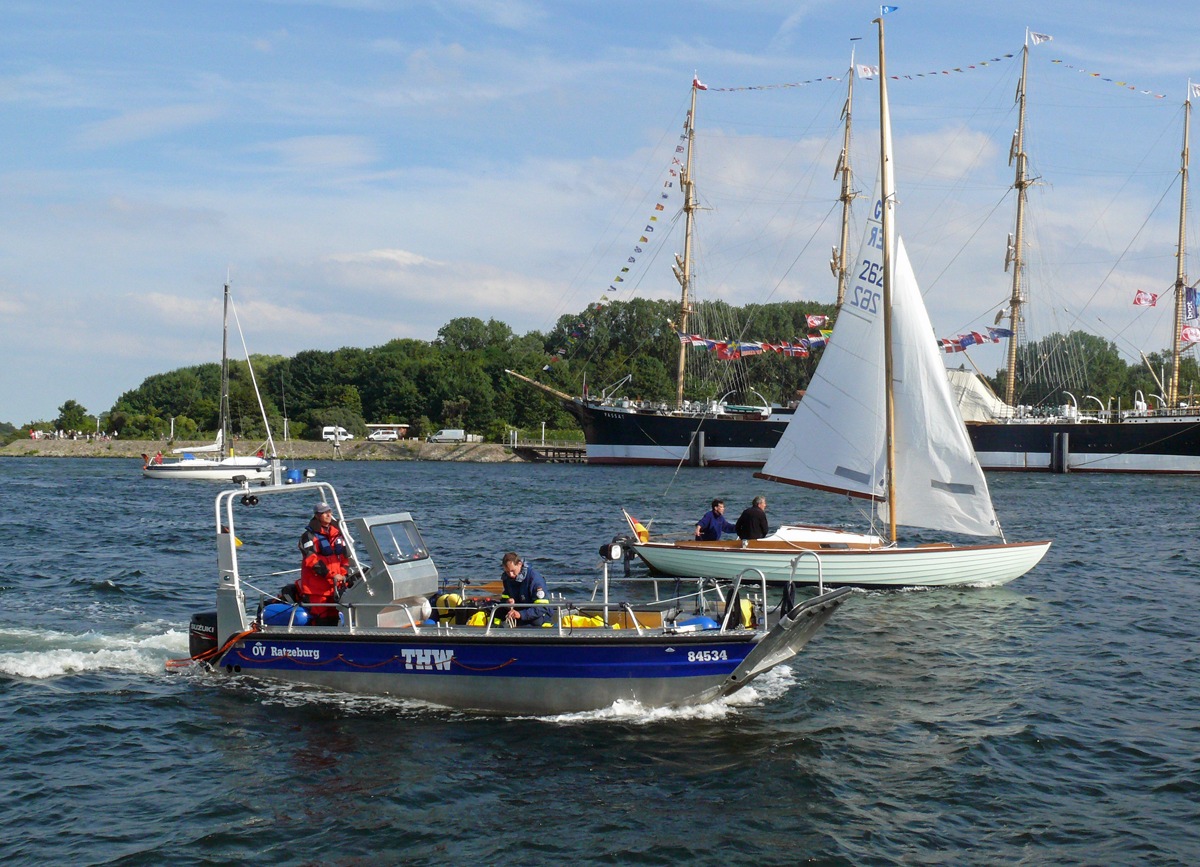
(639, 529)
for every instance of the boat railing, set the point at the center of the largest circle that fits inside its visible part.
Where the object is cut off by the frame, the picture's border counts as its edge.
(496, 612)
(733, 606)
(795, 561)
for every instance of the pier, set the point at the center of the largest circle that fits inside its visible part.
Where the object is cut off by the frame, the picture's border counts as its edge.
(551, 452)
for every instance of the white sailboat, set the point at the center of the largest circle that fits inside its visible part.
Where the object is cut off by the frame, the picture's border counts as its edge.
(228, 467)
(880, 393)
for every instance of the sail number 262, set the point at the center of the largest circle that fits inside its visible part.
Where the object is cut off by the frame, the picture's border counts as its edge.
(865, 298)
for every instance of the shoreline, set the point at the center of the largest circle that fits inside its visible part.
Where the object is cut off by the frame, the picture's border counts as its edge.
(294, 450)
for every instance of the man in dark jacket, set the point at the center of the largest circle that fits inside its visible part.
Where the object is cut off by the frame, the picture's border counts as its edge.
(525, 586)
(713, 524)
(753, 522)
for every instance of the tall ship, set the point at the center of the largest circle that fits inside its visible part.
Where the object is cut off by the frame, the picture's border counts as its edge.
(720, 431)
(1160, 435)
(1155, 433)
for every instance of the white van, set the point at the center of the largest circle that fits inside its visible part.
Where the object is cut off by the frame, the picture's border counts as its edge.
(331, 433)
(448, 435)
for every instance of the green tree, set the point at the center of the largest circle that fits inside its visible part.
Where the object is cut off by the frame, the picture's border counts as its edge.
(71, 416)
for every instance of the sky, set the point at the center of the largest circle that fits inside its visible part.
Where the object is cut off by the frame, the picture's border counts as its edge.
(366, 170)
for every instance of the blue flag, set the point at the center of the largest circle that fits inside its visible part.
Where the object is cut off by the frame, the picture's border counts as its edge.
(884, 10)
(1189, 303)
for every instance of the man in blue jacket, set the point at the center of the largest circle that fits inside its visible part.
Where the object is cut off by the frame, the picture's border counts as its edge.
(525, 586)
(713, 524)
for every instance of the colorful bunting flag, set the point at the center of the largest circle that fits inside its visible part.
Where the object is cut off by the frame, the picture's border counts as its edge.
(1097, 75)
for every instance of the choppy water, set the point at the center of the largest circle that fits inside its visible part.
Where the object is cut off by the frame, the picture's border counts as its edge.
(1056, 720)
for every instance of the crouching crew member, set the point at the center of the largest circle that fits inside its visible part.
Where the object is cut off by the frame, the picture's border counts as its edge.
(525, 586)
(323, 568)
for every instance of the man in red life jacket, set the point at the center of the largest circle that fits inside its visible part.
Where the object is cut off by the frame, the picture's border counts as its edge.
(323, 569)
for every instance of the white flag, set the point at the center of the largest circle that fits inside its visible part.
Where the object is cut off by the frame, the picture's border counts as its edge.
(867, 71)
(1039, 38)
(1193, 91)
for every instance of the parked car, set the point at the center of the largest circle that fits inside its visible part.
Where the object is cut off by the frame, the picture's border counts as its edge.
(383, 436)
(448, 435)
(331, 433)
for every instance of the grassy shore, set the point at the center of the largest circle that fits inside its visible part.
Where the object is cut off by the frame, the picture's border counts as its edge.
(357, 450)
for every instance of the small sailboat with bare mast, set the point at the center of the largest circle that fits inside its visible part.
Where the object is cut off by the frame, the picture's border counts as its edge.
(226, 467)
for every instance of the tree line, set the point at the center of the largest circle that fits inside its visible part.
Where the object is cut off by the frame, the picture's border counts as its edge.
(458, 379)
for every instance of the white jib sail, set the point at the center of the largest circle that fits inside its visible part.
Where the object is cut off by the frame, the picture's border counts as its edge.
(939, 483)
(836, 439)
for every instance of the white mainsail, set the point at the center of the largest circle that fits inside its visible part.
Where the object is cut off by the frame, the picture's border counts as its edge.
(836, 440)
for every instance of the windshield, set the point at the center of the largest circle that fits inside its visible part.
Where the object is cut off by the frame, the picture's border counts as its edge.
(399, 542)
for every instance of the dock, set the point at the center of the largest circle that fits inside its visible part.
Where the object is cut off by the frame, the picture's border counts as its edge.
(551, 452)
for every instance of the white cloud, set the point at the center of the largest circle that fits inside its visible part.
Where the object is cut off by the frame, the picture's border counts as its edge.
(305, 153)
(144, 124)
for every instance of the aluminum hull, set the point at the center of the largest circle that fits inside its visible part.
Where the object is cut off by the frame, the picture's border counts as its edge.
(528, 671)
(976, 565)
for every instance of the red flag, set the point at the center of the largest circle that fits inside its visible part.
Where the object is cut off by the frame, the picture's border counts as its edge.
(1144, 299)
(696, 84)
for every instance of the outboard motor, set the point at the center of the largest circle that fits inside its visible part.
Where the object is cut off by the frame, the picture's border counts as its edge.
(627, 555)
(202, 633)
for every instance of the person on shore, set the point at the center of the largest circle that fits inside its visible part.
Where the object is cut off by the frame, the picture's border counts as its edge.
(752, 524)
(525, 586)
(323, 567)
(713, 524)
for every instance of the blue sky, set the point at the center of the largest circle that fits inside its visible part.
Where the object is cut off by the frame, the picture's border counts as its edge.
(366, 169)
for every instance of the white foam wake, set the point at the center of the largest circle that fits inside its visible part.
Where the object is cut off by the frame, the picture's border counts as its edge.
(767, 687)
(40, 654)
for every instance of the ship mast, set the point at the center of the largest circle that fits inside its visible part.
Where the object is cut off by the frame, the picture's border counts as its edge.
(839, 263)
(226, 442)
(683, 264)
(1016, 241)
(887, 195)
(1181, 263)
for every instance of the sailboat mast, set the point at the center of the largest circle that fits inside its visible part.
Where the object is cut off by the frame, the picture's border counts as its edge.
(1016, 244)
(226, 442)
(683, 265)
(888, 203)
(1181, 263)
(840, 260)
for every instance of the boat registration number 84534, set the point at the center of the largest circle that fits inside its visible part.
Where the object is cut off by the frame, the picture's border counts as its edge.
(707, 655)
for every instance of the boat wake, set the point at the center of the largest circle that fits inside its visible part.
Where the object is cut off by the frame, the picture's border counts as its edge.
(767, 687)
(39, 654)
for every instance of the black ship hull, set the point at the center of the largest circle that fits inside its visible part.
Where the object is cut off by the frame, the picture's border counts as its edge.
(1141, 445)
(623, 436)
(1138, 445)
